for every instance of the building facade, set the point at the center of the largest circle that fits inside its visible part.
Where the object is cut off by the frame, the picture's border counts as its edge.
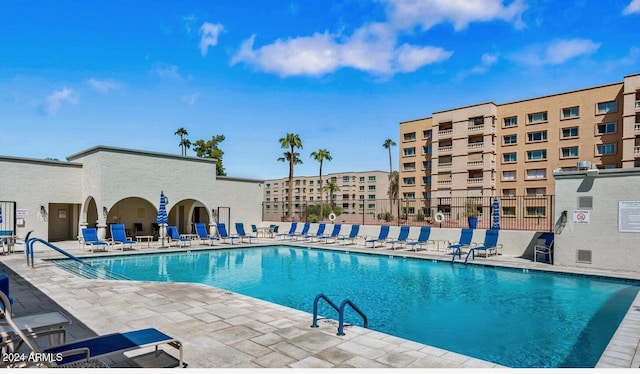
(511, 149)
(358, 192)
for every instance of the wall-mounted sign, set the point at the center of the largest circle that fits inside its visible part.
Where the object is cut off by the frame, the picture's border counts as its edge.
(22, 212)
(629, 216)
(581, 216)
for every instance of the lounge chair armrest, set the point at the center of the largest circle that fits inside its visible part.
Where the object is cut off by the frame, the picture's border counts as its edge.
(499, 248)
(77, 351)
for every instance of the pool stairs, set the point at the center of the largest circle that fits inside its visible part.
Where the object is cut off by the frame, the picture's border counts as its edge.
(78, 266)
(340, 310)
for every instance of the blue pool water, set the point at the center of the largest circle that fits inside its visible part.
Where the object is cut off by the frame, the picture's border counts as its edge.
(511, 317)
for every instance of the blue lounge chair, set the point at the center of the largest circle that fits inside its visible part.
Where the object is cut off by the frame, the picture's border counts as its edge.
(273, 230)
(423, 238)
(466, 235)
(223, 235)
(291, 233)
(4, 286)
(119, 236)
(490, 244)
(174, 235)
(382, 237)
(335, 234)
(402, 238)
(92, 348)
(201, 231)
(242, 234)
(90, 236)
(318, 234)
(303, 232)
(353, 235)
(545, 249)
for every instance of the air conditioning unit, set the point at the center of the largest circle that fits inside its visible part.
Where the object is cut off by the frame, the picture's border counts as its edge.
(584, 165)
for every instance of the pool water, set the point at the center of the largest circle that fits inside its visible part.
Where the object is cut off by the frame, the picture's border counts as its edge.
(511, 317)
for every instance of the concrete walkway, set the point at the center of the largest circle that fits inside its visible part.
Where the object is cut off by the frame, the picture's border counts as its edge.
(221, 329)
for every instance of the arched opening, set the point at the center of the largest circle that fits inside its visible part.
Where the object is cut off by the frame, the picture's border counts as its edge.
(137, 214)
(186, 212)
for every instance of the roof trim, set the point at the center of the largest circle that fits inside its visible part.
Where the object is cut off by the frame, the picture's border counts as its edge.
(26, 160)
(137, 152)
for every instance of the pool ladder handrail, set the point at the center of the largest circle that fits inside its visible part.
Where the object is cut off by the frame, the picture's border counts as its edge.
(340, 310)
(30, 254)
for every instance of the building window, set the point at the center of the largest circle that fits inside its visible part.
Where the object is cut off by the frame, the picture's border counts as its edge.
(426, 195)
(409, 136)
(538, 136)
(537, 117)
(426, 164)
(605, 149)
(345, 179)
(607, 107)
(409, 166)
(511, 192)
(569, 152)
(476, 121)
(537, 191)
(536, 173)
(535, 211)
(361, 188)
(509, 211)
(569, 132)
(426, 180)
(361, 197)
(372, 178)
(509, 157)
(361, 179)
(426, 149)
(573, 112)
(510, 121)
(509, 175)
(605, 128)
(409, 195)
(372, 197)
(510, 139)
(372, 187)
(409, 151)
(426, 134)
(410, 180)
(537, 155)
(371, 206)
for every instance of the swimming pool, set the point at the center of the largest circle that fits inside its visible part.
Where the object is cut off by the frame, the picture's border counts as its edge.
(511, 317)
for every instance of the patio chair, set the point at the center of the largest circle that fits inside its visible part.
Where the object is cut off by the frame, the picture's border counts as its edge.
(353, 235)
(318, 234)
(119, 236)
(242, 234)
(466, 235)
(4, 286)
(402, 237)
(174, 236)
(83, 353)
(545, 249)
(382, 237)
(272, 230)
(489, 245)
(423, 239)
(201, 231)
(223, 235)
(291, 233)
(335, 234)
(303, 232)
(90, 236)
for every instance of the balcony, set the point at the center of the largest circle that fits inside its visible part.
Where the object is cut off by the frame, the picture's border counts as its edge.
(637, 104)
(474, 163)
(446, 182)
(475, 146)
(445, 149)
(637, 128)
(474, 181)
(444, 166)
(475, 128)
(444, 133)
(636, 151)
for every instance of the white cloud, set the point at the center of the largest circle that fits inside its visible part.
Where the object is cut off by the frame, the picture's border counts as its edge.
(406, 14)
(633, 7)
(167, 72)
(53, 102)
(371, 48)
(102, 85)
(209, 33)
(556, 52)
(190, 99)
(487, 60)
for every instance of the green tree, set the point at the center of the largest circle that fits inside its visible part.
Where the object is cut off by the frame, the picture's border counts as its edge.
(330, 188)
(388, 144)
(210, 149)
(320, 155)
(182, 132)
(291, 141)
(185, 144)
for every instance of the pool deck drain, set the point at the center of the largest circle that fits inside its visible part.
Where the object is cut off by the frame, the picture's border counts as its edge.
(221, 329)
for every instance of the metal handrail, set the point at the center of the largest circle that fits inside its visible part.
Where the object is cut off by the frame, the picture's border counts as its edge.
(340, 311)
(30, 254)
(322, 296)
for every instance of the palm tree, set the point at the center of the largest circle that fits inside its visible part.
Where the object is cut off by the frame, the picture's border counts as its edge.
(292, 159)
(388, 144)
(330, 188)
(321, 155)
(185, 144)
(291, 141)
(182, 132)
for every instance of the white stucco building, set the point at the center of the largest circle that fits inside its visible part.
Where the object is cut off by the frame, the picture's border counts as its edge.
(104, 185)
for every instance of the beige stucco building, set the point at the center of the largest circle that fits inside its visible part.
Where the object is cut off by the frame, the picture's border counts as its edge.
(104, 185)
(512, 149)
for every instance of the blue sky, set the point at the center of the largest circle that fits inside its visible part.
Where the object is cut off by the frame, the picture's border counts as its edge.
(342, 74)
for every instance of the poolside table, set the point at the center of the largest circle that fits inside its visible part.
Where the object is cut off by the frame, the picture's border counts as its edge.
(38, 323)
(147, 238)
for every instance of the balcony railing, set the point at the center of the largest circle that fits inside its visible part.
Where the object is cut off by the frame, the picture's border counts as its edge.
(474, 163)
(445, 149)
(444, 165)
(475, 128)
(637, 104)
(475, 146)
(636, 150)
(445, 182)
(445, 132)
(474, 180)
(637, 128)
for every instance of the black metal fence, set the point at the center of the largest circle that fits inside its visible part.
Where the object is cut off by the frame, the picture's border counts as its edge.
(529, 213)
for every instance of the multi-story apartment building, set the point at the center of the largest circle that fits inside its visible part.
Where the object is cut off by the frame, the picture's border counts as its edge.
(359, 192)
(511, 149)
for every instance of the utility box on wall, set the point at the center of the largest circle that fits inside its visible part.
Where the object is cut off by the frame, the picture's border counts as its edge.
(601, 224)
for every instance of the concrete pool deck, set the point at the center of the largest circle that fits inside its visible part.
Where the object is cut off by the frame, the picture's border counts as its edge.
(221, 329)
